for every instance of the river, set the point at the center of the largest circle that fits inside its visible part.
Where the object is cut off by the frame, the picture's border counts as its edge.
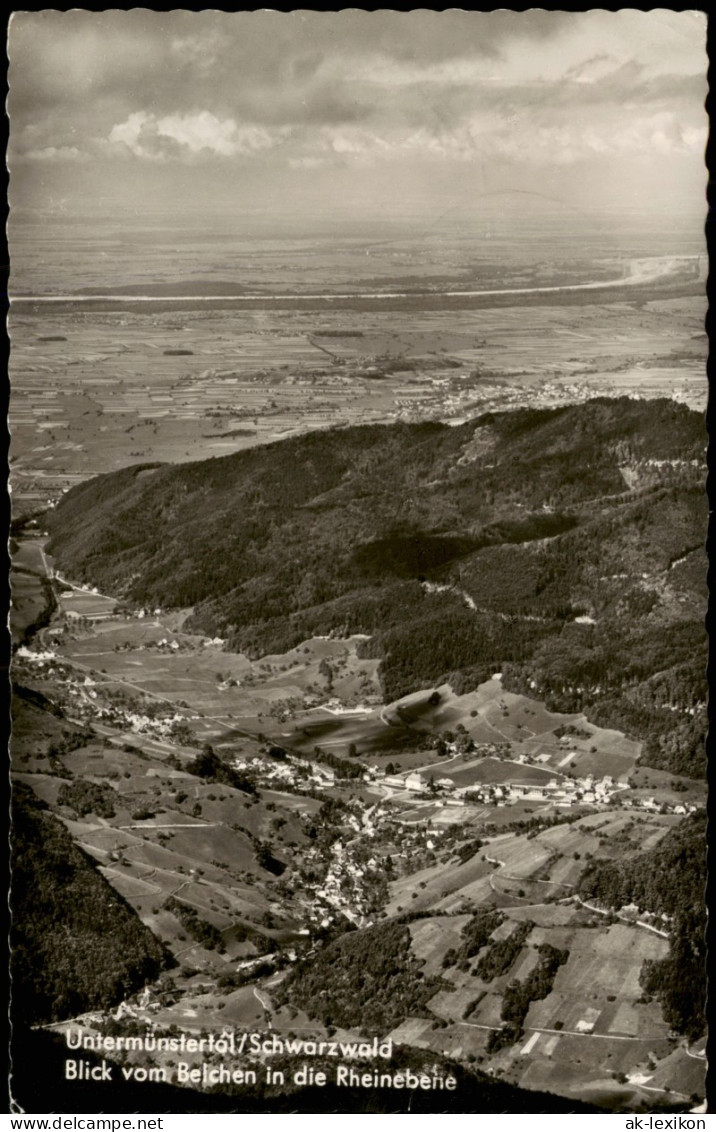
(639, 272)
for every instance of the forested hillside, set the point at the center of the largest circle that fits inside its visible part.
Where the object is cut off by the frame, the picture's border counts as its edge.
(76, 944)
(561, 547)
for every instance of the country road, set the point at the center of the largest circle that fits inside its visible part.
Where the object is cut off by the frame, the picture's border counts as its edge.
(571, 1033)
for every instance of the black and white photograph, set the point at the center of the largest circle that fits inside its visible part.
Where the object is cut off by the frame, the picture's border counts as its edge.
(358, 576)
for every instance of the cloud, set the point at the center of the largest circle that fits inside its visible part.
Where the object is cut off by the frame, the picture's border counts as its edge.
(595, 67)
(56, 153)
(538, 139)
(351, 101)
(147, 136)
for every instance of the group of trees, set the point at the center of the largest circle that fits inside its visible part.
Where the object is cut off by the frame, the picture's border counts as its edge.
(365, 980)
(443, 638)
(518, 996)
(266, 859)
(644, 678)
(342, 768)
(209, 766)
(45, 608)
(88, 798)
(502, 953)
(208, 935)
(473, 937)
(326, 825)
(679, 980)
(468, 849)
(669, 878)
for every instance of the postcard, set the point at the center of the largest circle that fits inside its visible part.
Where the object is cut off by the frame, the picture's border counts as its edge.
(358, 572)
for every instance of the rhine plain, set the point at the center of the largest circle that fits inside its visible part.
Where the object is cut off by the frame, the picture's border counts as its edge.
(359, 666)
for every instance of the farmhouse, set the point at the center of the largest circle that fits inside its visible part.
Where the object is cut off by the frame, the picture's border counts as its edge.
(394, 780)
(414, 781)
(528, 792)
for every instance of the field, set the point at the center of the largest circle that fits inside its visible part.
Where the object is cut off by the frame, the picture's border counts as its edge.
(590, 1029)
(173, 836)
(303, 705)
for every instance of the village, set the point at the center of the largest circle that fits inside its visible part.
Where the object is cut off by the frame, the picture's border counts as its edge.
(434, 798)
(569, 792)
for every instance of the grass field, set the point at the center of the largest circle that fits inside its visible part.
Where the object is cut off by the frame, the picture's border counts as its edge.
(431, 938)
(227, 695)
(593, 1024)
(173, 835)
(588, 1029)
(493, 771)
(433, 884)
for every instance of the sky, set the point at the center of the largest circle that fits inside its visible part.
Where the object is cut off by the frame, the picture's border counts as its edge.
(351, 113)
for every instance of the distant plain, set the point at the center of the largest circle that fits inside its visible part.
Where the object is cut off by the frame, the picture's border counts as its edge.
(99, 385)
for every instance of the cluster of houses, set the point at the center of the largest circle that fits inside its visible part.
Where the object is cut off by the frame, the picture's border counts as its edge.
(88, 705)
(292, 772)
(346, 885)
(341, 888)
(652, 806)
(565, 792)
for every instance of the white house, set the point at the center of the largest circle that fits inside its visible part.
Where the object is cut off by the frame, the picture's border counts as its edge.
(414, 781)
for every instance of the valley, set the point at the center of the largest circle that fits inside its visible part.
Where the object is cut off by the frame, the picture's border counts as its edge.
(353, 814)
(359, 655)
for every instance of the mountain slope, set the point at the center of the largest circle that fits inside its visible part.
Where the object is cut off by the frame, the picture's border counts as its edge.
(561, 547)
(76, 944)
